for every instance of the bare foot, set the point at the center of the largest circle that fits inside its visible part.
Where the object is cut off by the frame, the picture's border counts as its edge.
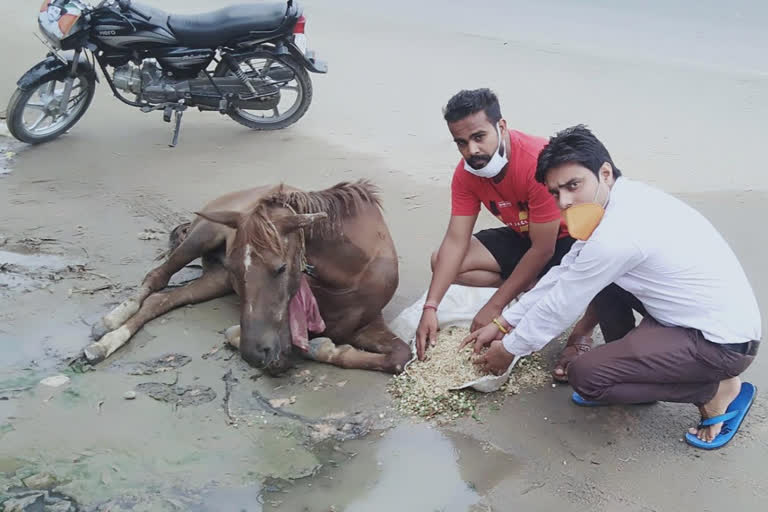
(576, 346)
(726, 393)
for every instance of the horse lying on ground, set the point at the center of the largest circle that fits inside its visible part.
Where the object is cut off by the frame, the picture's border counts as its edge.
(289, 255)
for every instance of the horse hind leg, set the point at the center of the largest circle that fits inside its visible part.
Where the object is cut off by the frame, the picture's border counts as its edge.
(214, 283)
(195, 242)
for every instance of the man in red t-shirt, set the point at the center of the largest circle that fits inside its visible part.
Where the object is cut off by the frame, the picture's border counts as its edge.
(497, 170)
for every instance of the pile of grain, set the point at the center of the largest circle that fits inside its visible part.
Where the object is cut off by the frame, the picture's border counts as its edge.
(445, 367)
(529, 373)
(424, 388)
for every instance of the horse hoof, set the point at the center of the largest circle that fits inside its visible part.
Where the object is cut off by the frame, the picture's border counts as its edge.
(95, 353)
(232, 336)
(321, 349)
(99, 329)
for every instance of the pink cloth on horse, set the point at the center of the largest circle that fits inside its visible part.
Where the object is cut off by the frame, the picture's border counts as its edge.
(304, 315)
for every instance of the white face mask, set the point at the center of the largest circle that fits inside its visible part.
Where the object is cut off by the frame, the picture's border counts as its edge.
(494, 166)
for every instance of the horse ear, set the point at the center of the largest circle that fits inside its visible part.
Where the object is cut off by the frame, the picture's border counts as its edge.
(227, 218)
(301, 220)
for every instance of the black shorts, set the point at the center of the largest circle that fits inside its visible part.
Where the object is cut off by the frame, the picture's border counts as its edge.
(507, 247)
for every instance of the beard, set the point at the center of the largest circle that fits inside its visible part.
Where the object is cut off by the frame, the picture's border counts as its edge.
(478, 161)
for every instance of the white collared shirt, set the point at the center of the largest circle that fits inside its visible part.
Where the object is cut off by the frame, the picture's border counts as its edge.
(657, 248)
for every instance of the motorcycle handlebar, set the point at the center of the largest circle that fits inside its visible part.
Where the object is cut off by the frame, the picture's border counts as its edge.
(125, 5)
(140, 14)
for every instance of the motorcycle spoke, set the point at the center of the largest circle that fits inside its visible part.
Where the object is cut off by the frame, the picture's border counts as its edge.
(73, 101)
(37, 123)
(36, 106)
(261, 69)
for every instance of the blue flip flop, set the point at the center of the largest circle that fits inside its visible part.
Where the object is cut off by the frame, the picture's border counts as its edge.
(583, 402)
(731, 420)
(579, 400)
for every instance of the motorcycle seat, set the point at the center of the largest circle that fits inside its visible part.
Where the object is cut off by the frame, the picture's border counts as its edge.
(215, 28)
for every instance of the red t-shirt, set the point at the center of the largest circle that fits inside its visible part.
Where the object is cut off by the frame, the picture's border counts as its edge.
(518, 199)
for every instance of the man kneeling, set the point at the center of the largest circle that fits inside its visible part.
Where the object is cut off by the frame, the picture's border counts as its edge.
(638, 249)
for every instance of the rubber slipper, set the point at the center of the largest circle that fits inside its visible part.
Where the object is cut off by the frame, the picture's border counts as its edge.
(583, 402)
(732, 420)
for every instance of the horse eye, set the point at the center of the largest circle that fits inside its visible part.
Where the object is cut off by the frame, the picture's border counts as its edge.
(281, 269)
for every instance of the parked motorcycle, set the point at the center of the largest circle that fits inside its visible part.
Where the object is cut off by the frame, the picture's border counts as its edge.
(249, 62)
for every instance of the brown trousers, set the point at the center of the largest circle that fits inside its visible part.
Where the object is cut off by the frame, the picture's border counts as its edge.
(650, 362)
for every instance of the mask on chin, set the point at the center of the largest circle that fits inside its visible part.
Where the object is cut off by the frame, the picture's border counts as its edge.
(494, 166)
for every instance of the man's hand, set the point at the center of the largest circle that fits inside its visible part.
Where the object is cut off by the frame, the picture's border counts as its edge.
(482, 337)
(485, 316)
(426, 333)
(497, 359)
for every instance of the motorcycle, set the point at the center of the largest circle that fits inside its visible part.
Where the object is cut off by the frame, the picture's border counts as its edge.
(244, 61)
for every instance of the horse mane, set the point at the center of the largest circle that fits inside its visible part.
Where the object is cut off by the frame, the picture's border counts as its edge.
(342, 201)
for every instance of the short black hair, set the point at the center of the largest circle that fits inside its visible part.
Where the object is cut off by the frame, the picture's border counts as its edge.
(574, 145)
(465, 103)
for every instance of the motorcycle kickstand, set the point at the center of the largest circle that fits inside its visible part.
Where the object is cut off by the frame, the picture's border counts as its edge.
(178, 112)
(177, 128)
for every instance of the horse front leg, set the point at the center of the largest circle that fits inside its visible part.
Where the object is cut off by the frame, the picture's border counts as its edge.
(232, 336)
(125, 310)
(214, 283)
(202, 238)
(372, 347)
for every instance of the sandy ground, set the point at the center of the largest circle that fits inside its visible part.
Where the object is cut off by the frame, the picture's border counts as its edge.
(677, 93)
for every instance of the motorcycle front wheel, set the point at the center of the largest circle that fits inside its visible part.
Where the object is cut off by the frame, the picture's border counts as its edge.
(294, 97)
(36, 115)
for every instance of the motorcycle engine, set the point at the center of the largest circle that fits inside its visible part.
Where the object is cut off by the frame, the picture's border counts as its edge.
(152, 85)
(149, 84)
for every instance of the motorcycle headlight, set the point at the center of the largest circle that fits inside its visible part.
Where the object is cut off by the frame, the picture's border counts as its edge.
(57, 23)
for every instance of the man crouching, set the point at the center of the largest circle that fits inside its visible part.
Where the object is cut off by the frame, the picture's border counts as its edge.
(638, 249)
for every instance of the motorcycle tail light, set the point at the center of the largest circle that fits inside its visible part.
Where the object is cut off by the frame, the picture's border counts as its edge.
(300, 25)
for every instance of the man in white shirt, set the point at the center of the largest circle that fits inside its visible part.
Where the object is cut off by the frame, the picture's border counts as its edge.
(637, 249)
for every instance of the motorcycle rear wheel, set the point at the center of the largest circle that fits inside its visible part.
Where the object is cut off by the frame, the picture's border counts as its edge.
(301, 86)
(35, 116)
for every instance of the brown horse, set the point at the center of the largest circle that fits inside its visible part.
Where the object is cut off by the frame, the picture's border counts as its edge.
(257, 243)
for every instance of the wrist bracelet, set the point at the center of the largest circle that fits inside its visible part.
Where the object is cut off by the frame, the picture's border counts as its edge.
(429, 306)
(501, 327)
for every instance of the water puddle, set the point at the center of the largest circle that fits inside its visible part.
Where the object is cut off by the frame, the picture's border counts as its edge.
(412, 467)
(10, 465)
(34, 261)
(206, 467)
(243, 499)
(25, 268)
